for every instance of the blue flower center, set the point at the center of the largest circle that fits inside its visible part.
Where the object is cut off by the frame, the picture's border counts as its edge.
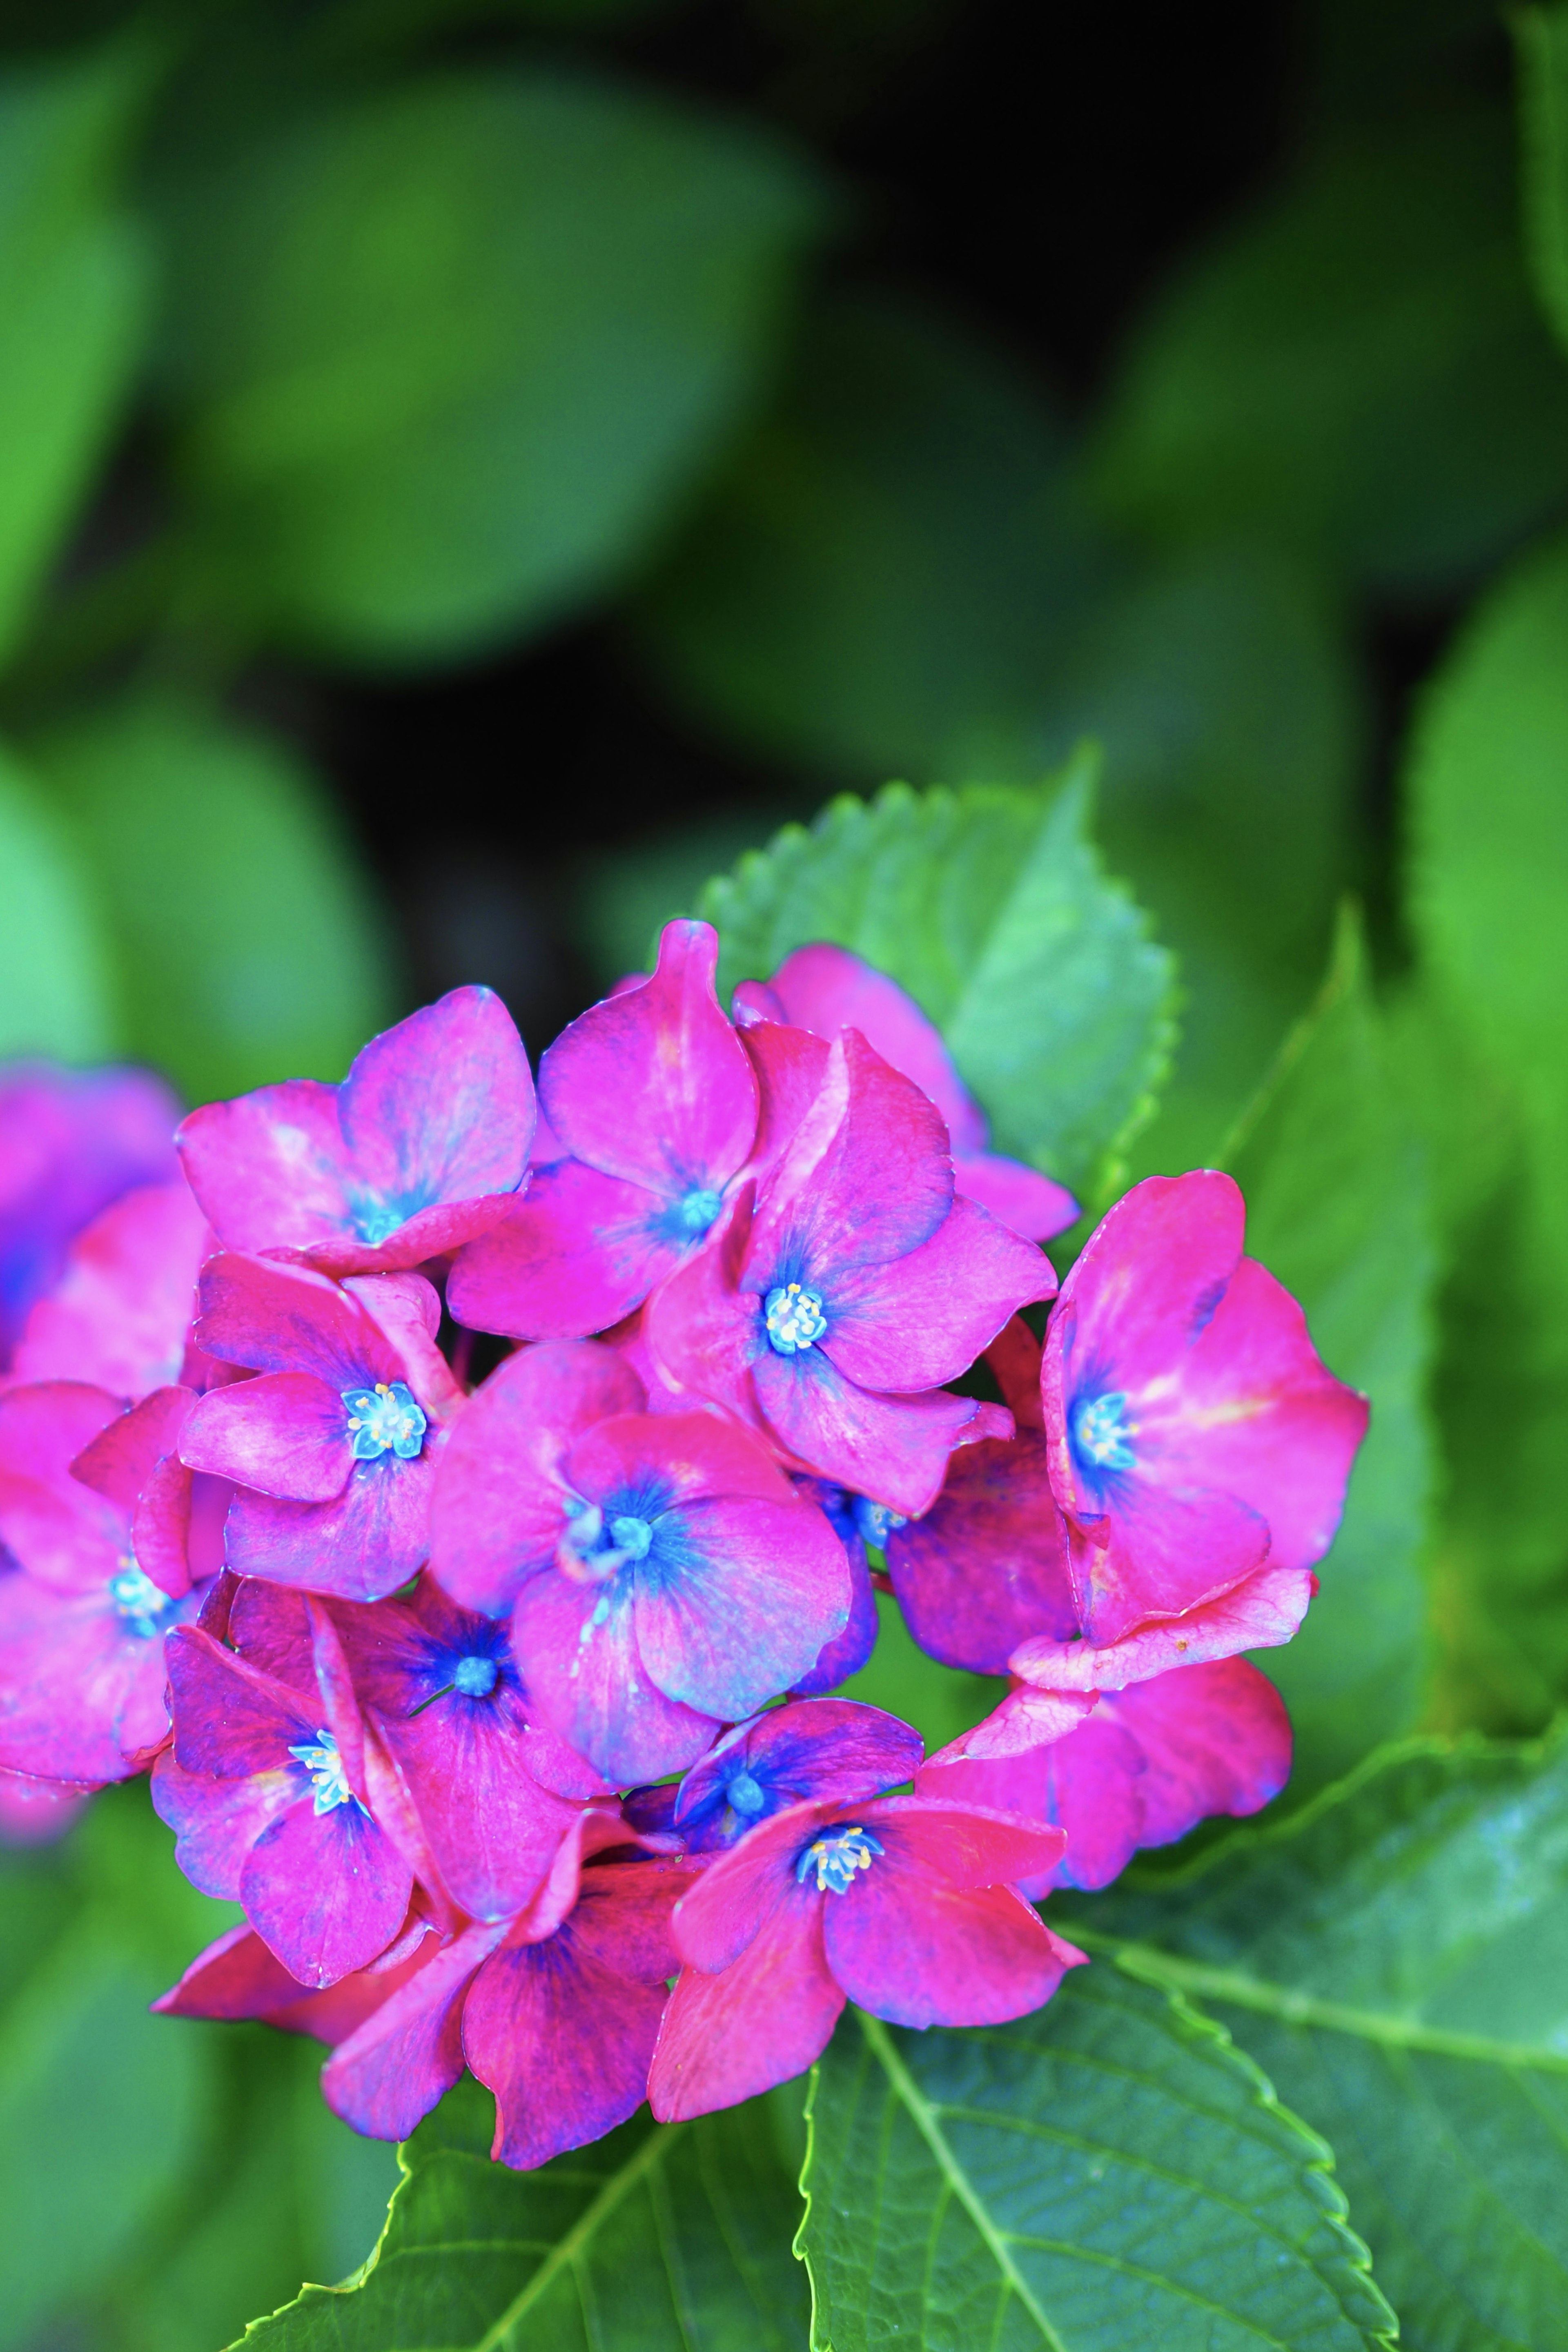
(384, 1420)
(377, 1222)
(476, 1677)
(325, 1766)
(140, 1605)
(793, 1318)
(1099, 1435)
(601, 1546)
(836, 1858)
(698, 1211)
(745, 1794)
(874, 1522)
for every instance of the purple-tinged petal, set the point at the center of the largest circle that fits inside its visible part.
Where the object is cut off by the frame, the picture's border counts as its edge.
(230, 1718)
(653, 1086)
(235, 1977)
(740, 1894)
(685, 1458)
(54, 1526)
(215, 1823)
(437, 1110)
(919, 1953)
(764, 2019)
(925, 1317)
(705, 1334)
(120, 1314)
(577, 1254)
(81, 1687)
(34, 1811)
(270, 1627)
(1018, 1197)
(270, 1169)
(286, 1318)
(824, 1751)
(986, 1567)
(826, 989)
(121, 1461)
(283, 1433)
(387, 2075)
(577, 1646)
(1258, 1615)
(745, 1595)
(177, 1530)
(497, 1512)
(326, 1892)
(848, 1652)
(361, 1546)
(894, 1449)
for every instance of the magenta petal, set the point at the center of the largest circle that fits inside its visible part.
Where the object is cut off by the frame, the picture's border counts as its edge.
(121, 1461)
(493, 1830)
(574, 1255)
(361, 1546)
(326, 1892)
(120, 1314)
(704, 1333)
(271, 1168)
(849, 1650)
(1258, 1615)
(924, 1318)
(753, 1591)
(1026, 1719)
(986, 1567)
(688, 1457)
(284, 1433)
(440, 1108)
(428, 1234)
(962, 1845)
(919, 1953)
(823, 1750)
(230, 1718)
(56, 1528)
(740, 1893)
(576, 1644)
(497, 1512)
(1168, 1553)
(386, 2076)
(893, 1448)
(286, 1319)
(1018, 1197)
(1089, 1783)
(235, 1977)
(82, 1692)
(215, 1823)
(791, 1066)
(1215, 1738)
(653, 1086)
(826, 989)
(766, 2018)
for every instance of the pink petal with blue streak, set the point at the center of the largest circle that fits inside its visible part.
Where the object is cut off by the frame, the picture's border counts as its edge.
(286, 1318)
(361, 1546)
(215, 1823)
(923, 1318)
(571, 1257)
(822, 1750)
(577, 1647)
(326, 1892)
(893, 1448)
(81, 1689)
(439, 1110)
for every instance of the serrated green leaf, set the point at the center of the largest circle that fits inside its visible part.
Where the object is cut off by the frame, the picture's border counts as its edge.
(445, 358)
(75, 287)
(880, 577)
(1541, 39)
(1357, 368)
(1396, 1958)
(246, 943)
(56, 977)
(1338, 1207)
(660, 2238)
(992, 909)
(1488, 824)
(1104, 2174)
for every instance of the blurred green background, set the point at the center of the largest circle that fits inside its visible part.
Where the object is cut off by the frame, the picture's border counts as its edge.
(471, 468)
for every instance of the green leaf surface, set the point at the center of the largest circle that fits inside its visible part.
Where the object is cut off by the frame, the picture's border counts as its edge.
(659, 2236)
(1338, 1208)
(1541, 38)
(1488, 881)
(1357, 368)
(246, 945)
(75, 287)
(1106, 2174)
(446, 357)
(991, 906)
(879, 579)
(1396, 1958)
(56, 982)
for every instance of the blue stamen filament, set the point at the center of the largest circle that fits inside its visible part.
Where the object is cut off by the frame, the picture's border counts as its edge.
(874, 1522)
(385, 1419)
(325, 1766)
(140, 1604)
(793, 1318)
(1099, 1435)
(836, 1857)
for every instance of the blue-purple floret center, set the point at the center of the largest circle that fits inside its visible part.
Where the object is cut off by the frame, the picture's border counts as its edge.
(1099, 1433)
(385, 1419)
(793, 1318)
(140, 1604)
(329, 1781)
(476, 1677)
(835, 1856)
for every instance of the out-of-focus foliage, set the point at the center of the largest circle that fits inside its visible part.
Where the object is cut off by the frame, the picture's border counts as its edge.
(54, 962)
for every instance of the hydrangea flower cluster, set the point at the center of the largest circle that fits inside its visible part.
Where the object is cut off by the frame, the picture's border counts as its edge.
(505, 1709)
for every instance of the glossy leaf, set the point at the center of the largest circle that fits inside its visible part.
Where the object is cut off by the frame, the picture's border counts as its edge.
(1357, 369)
(57, 984)
(1107, 2173)
(1397, 1960)
(671, 2236)
(247, 949)
(1541, 37)
(992, 909)
(445, 358)
(75, 281)
(1338, 1207)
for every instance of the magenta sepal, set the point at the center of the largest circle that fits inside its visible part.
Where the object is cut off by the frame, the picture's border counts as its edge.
(1259, 1614)
(929, 1930)
(825, 989)
(986, 1567)
(387, 2074)
(236, 1976)
(420, 1149)
(822, 1750)
(1194, 1432)
(121, 1314)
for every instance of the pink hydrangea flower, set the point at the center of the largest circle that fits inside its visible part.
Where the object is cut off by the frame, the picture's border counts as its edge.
(826, 989)
(100, 1522)
(70, 1142)
(1150, 1763)
(838, 1300)
(265, 1788)
(1194, 1433)
(333, 1448)
(664, 1575)
(819, 1748)
(652, 1103)
(906, 1905)
(121, 1314)
(420, 1148)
